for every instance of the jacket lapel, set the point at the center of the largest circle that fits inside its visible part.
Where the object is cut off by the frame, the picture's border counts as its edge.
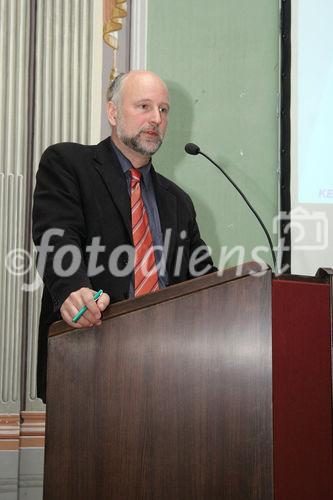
(167, 208)
(107, 164)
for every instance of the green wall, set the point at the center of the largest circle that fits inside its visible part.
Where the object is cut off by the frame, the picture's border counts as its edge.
(220, 60)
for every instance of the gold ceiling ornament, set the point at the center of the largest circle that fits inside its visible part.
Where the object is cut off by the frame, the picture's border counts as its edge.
(114, 12)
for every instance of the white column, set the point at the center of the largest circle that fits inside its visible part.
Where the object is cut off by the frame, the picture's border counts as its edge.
(14, 62)
(139, 20)
(14, 59)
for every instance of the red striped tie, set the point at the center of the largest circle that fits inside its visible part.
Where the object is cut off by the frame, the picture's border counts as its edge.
(145, 271)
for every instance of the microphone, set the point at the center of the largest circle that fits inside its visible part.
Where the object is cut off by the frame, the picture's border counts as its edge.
(193, 149)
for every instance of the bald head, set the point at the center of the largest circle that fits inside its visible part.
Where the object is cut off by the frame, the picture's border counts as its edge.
(138, 106)
(115, 89)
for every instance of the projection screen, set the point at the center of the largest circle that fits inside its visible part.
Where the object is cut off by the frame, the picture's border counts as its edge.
(311, 131)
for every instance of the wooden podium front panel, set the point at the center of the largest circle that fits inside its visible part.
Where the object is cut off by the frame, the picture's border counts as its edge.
(168, 402)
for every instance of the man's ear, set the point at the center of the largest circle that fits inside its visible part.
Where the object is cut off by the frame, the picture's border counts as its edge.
(112, 113)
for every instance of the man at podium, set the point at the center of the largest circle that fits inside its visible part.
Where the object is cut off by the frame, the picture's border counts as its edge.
(104, 219)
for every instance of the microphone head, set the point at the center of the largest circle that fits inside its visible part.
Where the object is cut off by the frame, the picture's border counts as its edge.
(192, 149)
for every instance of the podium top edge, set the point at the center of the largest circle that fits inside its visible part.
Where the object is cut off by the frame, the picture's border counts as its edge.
(172, 292)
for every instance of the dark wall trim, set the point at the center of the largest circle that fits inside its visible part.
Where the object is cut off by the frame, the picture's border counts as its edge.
(29, 185)
(285, 130)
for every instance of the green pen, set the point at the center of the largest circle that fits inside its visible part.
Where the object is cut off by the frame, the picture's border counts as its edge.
(85, 308)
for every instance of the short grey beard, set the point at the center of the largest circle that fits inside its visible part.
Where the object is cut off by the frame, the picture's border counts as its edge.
(134, 143)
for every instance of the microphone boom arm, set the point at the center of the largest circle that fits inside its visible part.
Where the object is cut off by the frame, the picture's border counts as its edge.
(248, 204)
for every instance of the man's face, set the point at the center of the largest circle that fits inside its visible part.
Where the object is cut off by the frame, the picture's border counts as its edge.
(141, 118)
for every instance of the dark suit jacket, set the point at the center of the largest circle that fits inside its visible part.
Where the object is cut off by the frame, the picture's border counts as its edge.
(82, 191)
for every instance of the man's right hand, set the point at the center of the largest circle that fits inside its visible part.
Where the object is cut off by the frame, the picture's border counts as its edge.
(80, 298)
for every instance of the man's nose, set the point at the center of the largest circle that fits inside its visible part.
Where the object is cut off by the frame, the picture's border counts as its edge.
(156, 115)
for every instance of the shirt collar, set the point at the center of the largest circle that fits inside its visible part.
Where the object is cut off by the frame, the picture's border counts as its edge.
(126, 164)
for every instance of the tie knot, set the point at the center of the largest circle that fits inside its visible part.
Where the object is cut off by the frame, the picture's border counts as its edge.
(135, 174)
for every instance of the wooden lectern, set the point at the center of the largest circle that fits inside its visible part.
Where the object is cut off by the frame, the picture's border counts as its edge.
(170, 399)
